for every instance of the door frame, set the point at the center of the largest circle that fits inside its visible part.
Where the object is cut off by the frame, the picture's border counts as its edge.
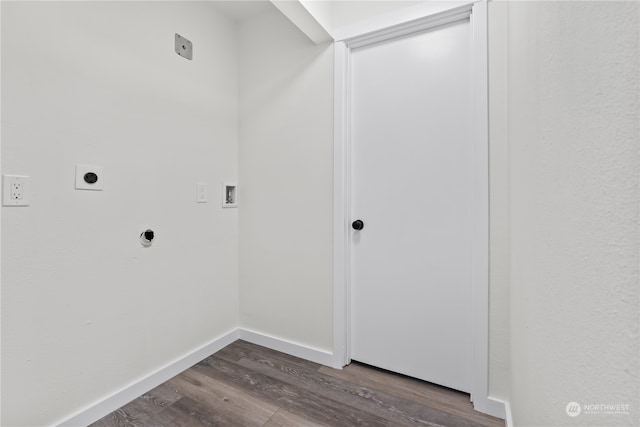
(396, 25)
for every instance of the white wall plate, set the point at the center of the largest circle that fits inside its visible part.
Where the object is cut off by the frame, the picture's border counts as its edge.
(89, 177)
(229, 195)
(15, 190)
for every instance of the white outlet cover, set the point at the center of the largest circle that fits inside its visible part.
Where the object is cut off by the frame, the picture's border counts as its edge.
(7, 186)
(82, 184)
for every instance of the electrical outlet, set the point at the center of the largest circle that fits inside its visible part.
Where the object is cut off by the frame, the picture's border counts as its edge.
(15, 190)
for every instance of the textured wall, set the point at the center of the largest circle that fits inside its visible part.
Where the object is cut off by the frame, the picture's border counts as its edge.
(286, 182)
(85, 309)
(573, 141)
(0, 223)
(499, 365)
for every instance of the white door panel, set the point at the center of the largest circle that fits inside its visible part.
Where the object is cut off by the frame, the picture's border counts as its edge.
(411, 185)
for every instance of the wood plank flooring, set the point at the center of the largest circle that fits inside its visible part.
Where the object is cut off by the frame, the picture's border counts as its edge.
(248, 385)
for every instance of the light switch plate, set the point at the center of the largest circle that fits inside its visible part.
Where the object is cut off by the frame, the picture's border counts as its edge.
(15, 190)
(184, 47)
(89, 177)
(201, 193)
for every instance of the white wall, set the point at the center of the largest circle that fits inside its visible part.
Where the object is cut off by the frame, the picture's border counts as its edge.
(499, 364)
(0, 221)
(86, 310)
(286, 182)
(322, 12)
(574, 227)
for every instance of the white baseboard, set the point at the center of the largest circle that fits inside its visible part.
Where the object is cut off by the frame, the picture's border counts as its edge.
(105, 406)
(490, 406)
(509, 418)
(99, 409)
(120, 398)
(304, 352)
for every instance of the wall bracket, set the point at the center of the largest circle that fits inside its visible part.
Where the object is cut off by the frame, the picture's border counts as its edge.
(184, 47)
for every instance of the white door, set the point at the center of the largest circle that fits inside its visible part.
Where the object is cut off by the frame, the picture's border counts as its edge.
(412, 187)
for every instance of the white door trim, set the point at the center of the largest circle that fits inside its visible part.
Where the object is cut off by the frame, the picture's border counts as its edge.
(477, 13)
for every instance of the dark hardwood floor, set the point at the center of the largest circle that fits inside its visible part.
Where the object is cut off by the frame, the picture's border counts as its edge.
(248, 385)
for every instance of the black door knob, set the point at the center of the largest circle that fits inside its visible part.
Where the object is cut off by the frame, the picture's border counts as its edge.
(357, 224)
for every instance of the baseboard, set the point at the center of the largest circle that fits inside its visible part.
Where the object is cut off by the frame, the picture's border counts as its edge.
(294, 349)
(120, 398)
(509, 418)
(487, 405)
(99, 409)
(490, 406)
